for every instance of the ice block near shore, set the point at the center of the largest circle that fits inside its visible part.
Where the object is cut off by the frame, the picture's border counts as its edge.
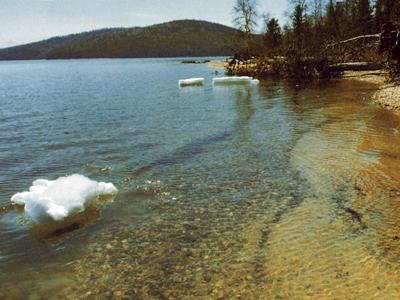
(191, 82)
(55, 200)
(235, 80)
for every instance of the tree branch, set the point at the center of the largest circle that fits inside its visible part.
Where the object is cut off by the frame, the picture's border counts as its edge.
(368, 36)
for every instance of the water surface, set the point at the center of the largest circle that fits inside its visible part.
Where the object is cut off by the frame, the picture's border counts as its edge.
(277, 191)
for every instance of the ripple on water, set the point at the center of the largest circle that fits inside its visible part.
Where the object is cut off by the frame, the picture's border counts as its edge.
(275, 192)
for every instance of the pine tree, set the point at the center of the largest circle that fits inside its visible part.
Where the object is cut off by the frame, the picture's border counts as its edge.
(331, 21)
(350, 20)
(379, 15)
(395, 12)
(364, 17)
(273, 36)
(386, 11)
(298, 24)
(317, 25)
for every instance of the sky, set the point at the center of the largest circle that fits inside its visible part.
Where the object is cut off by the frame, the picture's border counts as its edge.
(24, 21)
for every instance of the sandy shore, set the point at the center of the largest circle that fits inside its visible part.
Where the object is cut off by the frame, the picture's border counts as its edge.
(218, 64)
(387, 94)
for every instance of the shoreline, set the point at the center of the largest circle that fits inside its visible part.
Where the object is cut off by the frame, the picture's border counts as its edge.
(387, 95)
(217, 64)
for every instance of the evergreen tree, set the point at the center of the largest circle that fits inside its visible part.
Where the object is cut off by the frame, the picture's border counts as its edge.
(331, 21)
(386, 11)
(345, 24)
(395, 12)
(273, 36)
(364, 17)
(380, 17)
(350, 21)
(299, 26)
(317, 24)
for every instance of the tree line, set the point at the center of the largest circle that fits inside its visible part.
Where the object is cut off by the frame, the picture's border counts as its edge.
(312, 24)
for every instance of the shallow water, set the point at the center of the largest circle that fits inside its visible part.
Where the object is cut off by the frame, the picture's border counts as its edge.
(277, 191)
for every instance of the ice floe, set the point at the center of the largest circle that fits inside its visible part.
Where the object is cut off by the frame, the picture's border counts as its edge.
(191, 81)
(234, 80)
(55, 200)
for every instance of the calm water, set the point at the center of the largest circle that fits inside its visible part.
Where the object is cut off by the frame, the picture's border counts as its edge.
(277, 191)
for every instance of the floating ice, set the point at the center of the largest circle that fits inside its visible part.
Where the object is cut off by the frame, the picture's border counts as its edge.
(255, 81)
(233, 79)
(55, 200)
(191, 81)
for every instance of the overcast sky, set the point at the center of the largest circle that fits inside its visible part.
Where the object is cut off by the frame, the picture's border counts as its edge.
(23, 21)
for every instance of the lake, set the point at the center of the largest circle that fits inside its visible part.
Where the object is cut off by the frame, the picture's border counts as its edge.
(283, 190)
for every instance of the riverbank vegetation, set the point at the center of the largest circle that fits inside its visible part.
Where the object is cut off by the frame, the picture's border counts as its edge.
(322, 38)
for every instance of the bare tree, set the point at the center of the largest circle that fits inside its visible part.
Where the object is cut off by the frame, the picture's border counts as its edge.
(317, 12)
(245, 15)
(245, 18)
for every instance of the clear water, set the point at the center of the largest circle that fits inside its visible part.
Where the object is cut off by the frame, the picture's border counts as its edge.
(277, 191)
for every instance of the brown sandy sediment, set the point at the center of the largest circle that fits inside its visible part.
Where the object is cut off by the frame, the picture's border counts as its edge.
(387, 94)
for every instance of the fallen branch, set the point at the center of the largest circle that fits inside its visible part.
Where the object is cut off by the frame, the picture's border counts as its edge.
(354, 66)
(368, 36)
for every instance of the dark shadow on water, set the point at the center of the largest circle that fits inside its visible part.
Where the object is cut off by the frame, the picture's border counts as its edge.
(185, 152)
(243, 105)
(56, 230)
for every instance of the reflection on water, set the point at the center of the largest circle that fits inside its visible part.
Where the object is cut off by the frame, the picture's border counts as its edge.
(269, 192)
(288, 226)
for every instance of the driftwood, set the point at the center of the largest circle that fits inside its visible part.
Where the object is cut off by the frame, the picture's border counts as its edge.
(361, 37)
(354, 66)
(359, 48)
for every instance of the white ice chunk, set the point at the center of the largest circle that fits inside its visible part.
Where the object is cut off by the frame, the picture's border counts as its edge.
(58, 199)
(21, 198)
(255, 81)
(232, 79)
(191, 81)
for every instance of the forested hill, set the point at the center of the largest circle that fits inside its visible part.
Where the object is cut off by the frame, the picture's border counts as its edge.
(173, 39)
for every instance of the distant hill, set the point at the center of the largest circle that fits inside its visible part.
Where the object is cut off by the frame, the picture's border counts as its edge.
(172, 39)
